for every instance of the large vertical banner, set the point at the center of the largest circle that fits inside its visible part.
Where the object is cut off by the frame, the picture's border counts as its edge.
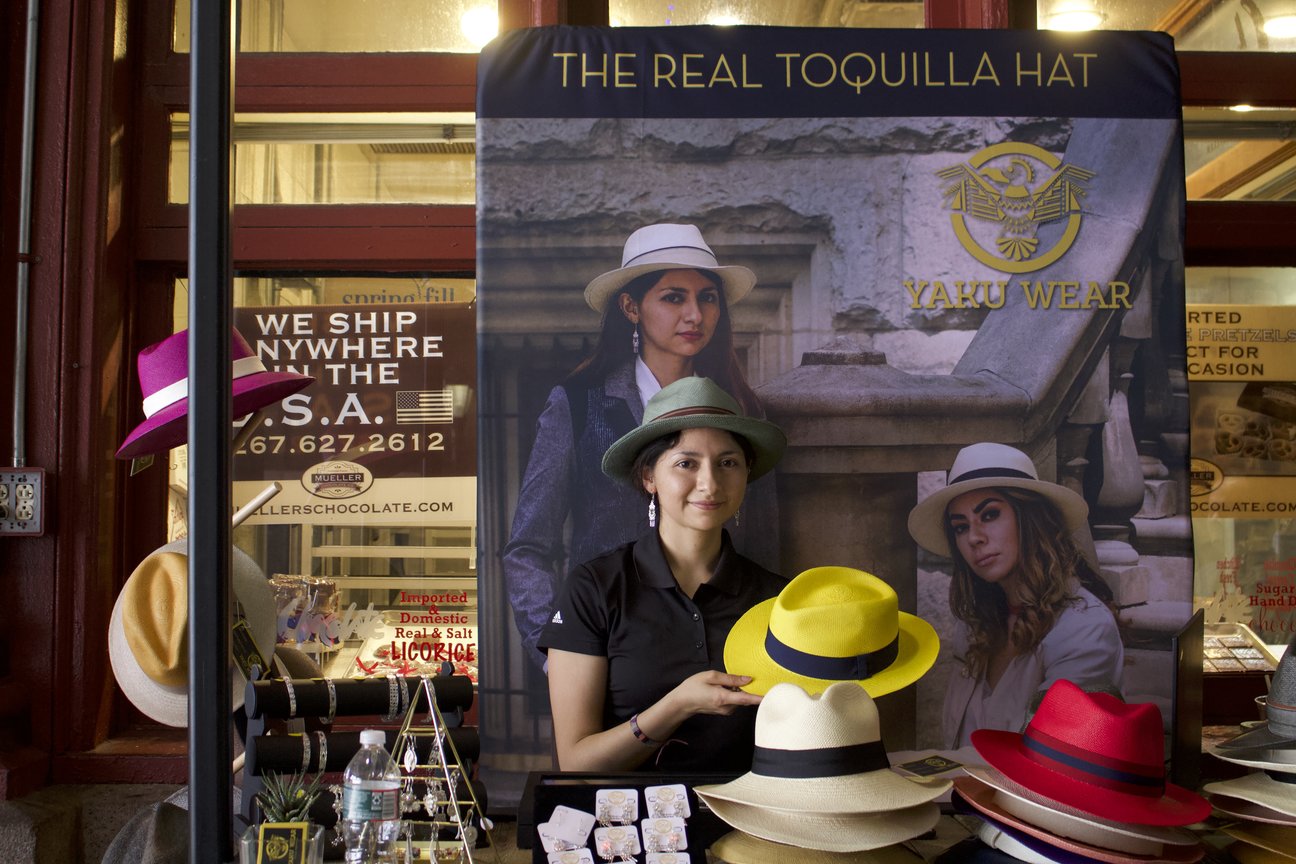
(957, 237)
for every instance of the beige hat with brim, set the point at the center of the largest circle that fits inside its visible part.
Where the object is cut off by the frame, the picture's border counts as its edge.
(1278, 839)
(831, 624)
(979, 466)
(822, 754)
(148, 634)
(739, 847)
(667, 247)
(1259, 788)
(828, 832)
(1239, 808)
(1011, 799)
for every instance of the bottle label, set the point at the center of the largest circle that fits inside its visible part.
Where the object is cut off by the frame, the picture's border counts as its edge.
(368, 805)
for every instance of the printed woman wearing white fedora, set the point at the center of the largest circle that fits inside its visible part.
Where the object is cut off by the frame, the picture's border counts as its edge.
(636, 639)
(1031, 606)
(665, 316)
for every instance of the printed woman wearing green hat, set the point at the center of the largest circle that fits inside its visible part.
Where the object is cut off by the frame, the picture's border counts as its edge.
(665, 317)
(636, 639)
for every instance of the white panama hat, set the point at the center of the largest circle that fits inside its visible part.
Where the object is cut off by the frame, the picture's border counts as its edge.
(667, 246)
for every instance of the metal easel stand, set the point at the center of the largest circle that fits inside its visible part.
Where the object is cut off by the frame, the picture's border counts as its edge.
(441, 777)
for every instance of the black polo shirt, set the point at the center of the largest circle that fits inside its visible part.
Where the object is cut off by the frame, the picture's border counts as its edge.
(626, 606)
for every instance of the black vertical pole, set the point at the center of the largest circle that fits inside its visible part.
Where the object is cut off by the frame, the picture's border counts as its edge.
(211, 89)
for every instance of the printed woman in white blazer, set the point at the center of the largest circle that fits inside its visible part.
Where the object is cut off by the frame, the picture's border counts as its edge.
(1030, 604)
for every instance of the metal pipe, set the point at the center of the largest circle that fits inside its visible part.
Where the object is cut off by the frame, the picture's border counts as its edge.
(24, 237)
(211, 97)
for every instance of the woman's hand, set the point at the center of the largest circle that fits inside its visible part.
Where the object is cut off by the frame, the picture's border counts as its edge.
(711, 692)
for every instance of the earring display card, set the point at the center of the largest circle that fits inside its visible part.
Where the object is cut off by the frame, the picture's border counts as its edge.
(552, 793)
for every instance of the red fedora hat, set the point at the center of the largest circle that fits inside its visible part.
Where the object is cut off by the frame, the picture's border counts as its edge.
(1097, 754)
(164, 380)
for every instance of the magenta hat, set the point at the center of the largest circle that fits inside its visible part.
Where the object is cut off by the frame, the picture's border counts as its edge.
(164, 381)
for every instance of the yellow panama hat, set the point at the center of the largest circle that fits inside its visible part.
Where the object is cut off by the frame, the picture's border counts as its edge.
(831, 624)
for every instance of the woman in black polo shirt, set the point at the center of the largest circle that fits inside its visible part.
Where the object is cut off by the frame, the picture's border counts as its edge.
(636, 640)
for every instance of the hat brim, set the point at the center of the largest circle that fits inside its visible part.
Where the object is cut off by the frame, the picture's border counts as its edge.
(1022, 846)
(1260, 738)
(169, 705)
(1058, 824)
(1240, 808)
(927, 518)
(1277, 839)
(766, 439)
(828, 832)
(1004, 751)
(1268, 758)
(735, 280)
(867, 792)
(745, 654)
(168, 428)
(739, 847)
(1258, 788)
(1245, 853)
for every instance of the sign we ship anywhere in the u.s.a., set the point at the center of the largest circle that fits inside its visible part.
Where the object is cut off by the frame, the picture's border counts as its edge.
(391, 405)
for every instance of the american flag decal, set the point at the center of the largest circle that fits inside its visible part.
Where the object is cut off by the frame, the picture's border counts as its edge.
(424, 406)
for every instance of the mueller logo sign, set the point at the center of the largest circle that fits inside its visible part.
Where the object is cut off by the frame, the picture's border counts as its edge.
(999, 198)
(337, 480)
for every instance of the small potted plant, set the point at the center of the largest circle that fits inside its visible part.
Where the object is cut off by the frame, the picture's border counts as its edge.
(285, 834)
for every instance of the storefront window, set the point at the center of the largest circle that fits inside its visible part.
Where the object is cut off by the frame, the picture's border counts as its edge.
(1240, 153)
(356, 26)
(1197, 25)
(371, 545)
(425, 158)
(1241, 326)
(851, 13)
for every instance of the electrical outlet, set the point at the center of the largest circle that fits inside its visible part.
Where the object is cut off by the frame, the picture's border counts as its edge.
(22, 501)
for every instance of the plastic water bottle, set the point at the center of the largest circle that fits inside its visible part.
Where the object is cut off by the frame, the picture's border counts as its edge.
(371, 802)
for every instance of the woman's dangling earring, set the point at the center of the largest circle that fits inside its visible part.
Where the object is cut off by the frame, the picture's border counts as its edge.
(652, 511)
(737, 515)
(634, 338)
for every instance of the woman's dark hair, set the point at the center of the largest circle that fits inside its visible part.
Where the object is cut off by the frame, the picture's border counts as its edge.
(716, 361)
(1049, 562)
(653, 450)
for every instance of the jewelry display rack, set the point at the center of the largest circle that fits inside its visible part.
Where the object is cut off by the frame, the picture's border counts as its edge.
(429, 752)
(444, 747)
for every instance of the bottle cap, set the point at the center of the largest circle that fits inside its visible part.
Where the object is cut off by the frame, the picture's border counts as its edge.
(372, 736)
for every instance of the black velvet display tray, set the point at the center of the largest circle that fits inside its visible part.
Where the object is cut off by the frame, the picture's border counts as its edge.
(545, 790)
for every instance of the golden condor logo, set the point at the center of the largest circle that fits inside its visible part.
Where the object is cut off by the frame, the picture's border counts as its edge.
(1010, 189)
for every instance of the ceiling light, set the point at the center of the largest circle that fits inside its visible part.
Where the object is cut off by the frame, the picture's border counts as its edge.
(1281, 26)
(1074, 16)
(479, 25)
